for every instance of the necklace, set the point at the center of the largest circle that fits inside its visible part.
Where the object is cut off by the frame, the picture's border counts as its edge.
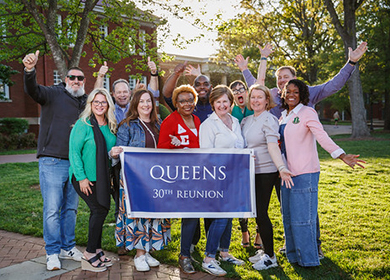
(151, 133)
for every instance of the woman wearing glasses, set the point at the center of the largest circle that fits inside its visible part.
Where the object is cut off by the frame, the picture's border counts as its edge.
(91, 138)
(140, 128)
(180, 130)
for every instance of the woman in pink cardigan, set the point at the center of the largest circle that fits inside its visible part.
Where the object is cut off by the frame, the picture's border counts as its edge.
(299, 130)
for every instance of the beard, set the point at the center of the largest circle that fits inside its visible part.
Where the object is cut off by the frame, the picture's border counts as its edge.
(75, 93)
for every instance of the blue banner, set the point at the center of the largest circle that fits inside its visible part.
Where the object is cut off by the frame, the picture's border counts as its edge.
(189, 183)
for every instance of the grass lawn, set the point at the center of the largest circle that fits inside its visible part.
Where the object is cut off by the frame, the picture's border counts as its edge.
(354, 211)
(18, 152)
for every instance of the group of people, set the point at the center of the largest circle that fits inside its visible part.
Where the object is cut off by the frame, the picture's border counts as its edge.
(81, 137)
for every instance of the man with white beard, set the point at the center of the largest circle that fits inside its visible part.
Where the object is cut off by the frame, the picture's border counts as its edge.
(61, 106)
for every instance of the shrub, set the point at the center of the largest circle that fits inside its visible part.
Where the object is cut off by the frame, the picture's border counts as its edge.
(27, 140)
(10, 126)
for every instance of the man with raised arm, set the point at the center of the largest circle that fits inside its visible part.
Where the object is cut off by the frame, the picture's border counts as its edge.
(318, 92)
(61, 106)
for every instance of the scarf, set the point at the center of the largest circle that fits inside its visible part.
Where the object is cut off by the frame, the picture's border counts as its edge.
(102, 166)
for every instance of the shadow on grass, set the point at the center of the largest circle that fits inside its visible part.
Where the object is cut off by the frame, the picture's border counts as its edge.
(327, 270)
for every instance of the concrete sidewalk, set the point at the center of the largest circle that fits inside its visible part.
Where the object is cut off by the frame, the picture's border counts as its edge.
(24, 257)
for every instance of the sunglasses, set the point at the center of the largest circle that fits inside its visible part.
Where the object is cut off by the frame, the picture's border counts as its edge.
(73, 77)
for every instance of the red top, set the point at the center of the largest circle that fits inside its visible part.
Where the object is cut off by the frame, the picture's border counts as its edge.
(174, 125)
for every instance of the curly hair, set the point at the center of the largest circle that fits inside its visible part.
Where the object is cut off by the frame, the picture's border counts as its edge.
(184, 89)
(303, 92)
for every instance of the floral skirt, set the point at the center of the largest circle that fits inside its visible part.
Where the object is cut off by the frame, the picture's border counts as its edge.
(140, 233)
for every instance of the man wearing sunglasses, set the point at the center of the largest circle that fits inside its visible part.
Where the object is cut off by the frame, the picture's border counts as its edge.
(60, 107)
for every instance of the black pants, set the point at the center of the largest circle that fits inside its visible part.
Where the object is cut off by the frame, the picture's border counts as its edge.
(264, 186)
(96, 218)
(115, 178)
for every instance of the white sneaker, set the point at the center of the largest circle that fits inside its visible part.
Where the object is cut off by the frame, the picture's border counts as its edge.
(213, 268)
(257, 257)
(152, 262)
(72, 254)
(53, 262)
(265, 262)
(232, 260)
(141, 264)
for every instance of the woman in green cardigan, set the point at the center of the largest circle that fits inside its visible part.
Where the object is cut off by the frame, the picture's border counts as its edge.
(91, 138)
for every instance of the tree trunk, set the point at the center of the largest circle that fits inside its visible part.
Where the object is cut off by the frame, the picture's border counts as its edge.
(348, 35)
(358, 111)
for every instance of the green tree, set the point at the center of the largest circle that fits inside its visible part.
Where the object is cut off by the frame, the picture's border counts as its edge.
(374, 22)
(27, 26)
(5, 74)
(344, 19)
(300, 31)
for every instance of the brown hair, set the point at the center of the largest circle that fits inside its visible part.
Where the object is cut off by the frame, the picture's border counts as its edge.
(290, 68)
(132, 113)
(219, 91)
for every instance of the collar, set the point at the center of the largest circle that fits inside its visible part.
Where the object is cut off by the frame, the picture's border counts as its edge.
(121, 108)
(284, 118)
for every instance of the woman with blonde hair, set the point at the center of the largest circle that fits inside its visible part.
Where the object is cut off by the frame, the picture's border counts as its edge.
(91, 138)
(260, 132)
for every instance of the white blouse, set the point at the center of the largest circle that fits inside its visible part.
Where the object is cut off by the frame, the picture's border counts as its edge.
(213, 133)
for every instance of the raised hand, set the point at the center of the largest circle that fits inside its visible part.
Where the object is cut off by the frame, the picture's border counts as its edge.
(152, 66)
(241, 62)
(355, 55)
(180, 68)
(266, 51)
(30, 60)
(192, 71)
(103, 69)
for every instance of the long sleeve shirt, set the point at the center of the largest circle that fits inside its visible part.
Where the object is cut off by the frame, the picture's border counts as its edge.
(302, 130)
(258, 132)
(82, 150)
(317, 93)
(174, 125)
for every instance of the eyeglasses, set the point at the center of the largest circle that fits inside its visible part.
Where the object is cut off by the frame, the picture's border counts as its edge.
(101, 103)
(73, 77)
(188, 101)
(239, 91)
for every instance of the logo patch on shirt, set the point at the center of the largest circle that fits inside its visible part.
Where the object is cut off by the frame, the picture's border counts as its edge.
(180, 129)
(296, 120)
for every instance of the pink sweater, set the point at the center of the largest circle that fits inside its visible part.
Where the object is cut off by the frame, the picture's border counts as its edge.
(302, 130)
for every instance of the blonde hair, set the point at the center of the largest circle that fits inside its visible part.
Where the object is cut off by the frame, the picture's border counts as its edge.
(219, 91)
(181, 89)
(267, 93)
(109, 115)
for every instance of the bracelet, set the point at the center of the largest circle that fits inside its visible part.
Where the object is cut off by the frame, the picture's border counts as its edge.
(155, 74)
(263, 58)
(281, 167)
(352, 62)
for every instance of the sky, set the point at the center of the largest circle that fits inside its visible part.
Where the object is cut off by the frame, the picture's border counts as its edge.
(206, 46)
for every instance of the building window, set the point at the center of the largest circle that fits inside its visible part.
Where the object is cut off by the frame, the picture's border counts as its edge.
(106, 83)
(142, 41)
(57, 77)
(4, 91)
(133, 81)
(103, 31)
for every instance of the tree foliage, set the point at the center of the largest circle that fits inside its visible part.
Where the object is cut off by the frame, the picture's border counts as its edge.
(31, 25)
(374, 21)
(299, 30)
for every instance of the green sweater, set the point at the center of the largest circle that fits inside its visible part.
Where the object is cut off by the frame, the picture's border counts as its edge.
(82, 150)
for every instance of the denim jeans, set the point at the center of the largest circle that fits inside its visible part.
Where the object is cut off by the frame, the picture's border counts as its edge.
(188, 230)
(60, 202)
(299, 208)
(218, 236)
